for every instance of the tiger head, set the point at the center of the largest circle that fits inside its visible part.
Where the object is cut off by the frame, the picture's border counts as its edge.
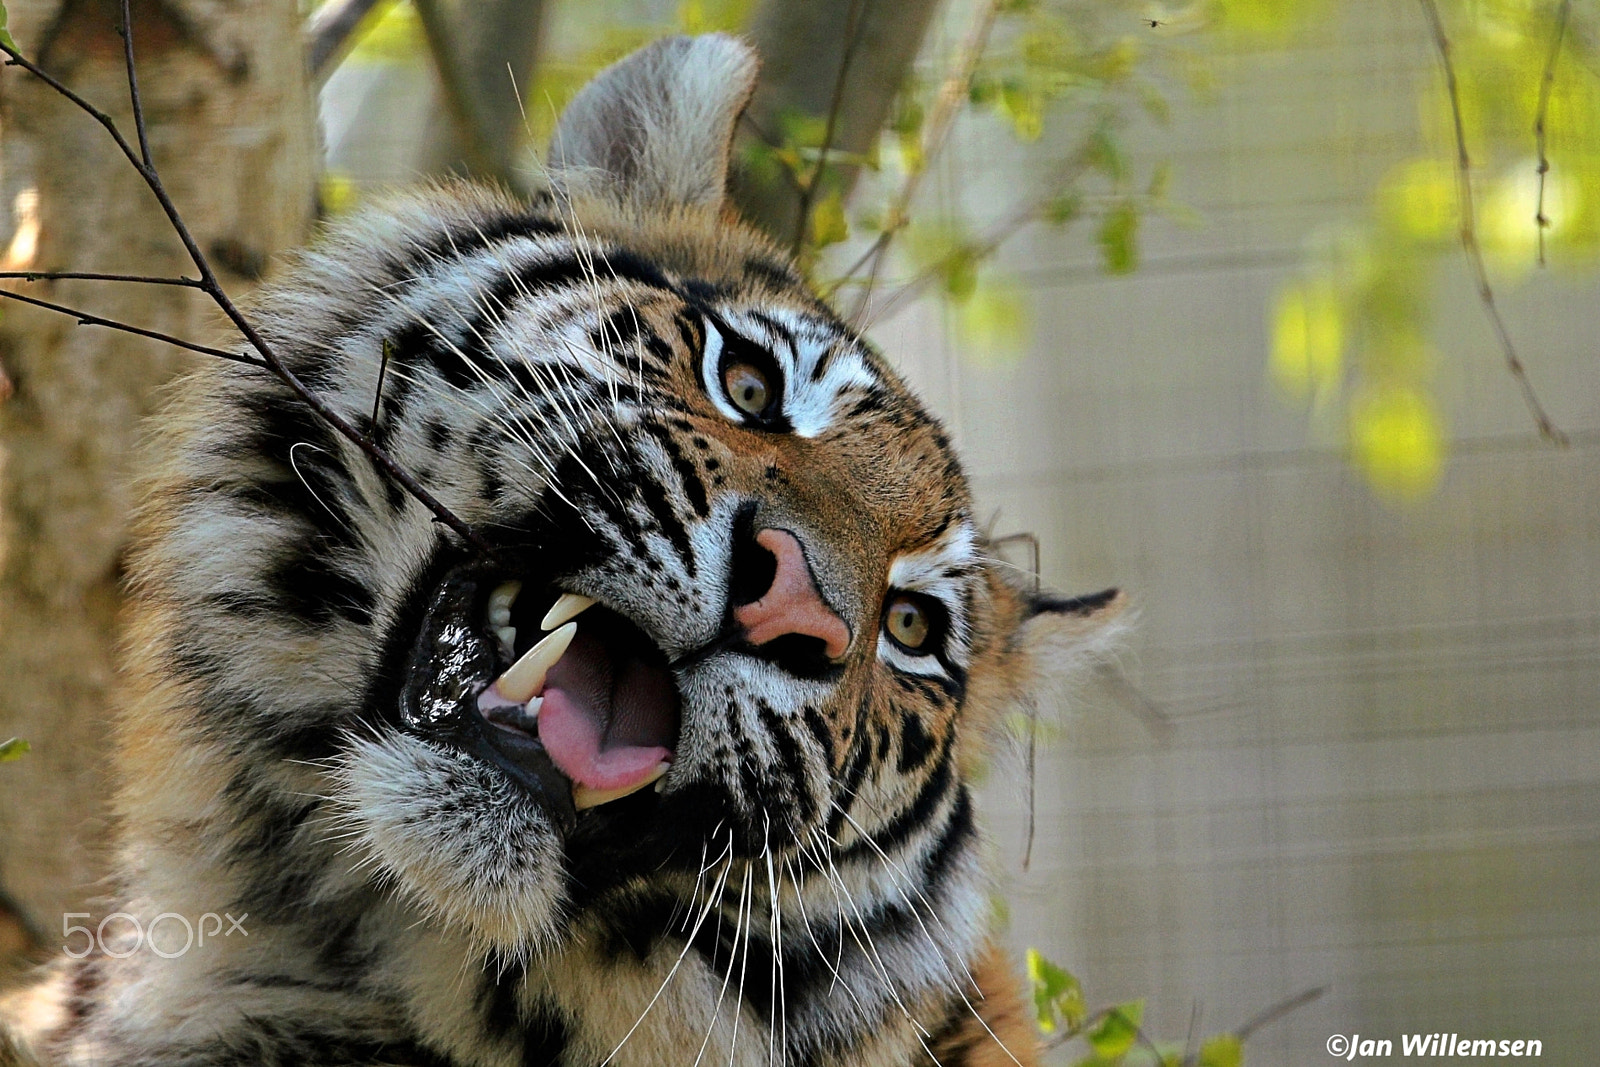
(738, 609)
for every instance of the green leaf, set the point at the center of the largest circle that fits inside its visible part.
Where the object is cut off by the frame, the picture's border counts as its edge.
(1105, 155)
(1055, 993)
(1117, 1030)
(1062, 209)
(15, 748)
(5, 39)
(1119, 233)
(828, 224)
(959, 271)
(1160, 181)
(1224, 1050)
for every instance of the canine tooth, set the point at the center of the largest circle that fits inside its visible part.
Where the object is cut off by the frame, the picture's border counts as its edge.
(507, 636)
(500, 601)
(584, 797)
(525, 677)
(567, 606)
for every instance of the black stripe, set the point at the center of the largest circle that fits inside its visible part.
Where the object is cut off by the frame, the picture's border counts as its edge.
(656, 501)
(774, 274)
(916, 744)
(819, 731)
(794, 769)
(959, 831)
(915, 815)
(311, 589)
(853, 775)
(497, 1000)
(436, 255)
(688, 476)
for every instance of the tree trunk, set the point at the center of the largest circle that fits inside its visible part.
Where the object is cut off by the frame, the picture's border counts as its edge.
(484, 53)
(229, 117)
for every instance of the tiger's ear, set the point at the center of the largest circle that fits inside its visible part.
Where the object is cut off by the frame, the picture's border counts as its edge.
(656, 128)
(1052, 641)
(1058, 636)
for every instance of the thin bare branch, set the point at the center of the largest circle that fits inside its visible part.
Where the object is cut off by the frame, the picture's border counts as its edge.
(125, 31)
(1546, 84)
(1469, 231)
(86, 319)
(86, 276)
(330, 31)
(1032, 542)
(808, 190)
(377, 394)
(209, 284)
(1191, 1040)
(985, 246)
(1278, 1011)
(952, 92)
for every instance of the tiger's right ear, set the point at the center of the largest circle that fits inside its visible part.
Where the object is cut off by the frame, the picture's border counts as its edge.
(656, 128)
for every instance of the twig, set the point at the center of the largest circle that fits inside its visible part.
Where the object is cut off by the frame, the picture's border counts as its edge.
(945, 108)
(125, 31)
(1029, 539)
(1149, 1045)
(808, 191)
(377, 394)
(1278, 1011)
(1546, 84)
(76, 275)
(1191, 1041)
(1469, 231)
(331, 28)
(213, 288)
(997, 235)
(86, 319)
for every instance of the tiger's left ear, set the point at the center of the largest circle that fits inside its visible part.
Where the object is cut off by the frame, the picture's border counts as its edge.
(656, 128)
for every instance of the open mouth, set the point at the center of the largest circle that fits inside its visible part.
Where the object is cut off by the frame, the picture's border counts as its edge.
(570, 699)
(587, 685)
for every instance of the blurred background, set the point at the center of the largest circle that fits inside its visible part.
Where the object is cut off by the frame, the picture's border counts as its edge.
(1187, 281)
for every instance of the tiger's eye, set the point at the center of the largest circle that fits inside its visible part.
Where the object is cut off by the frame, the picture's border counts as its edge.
(907, 622)
(747, 388)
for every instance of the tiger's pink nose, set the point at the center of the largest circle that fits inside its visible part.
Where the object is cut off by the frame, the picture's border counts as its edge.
(791, 605)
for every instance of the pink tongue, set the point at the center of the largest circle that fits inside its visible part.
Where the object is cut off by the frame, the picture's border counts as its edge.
(571, 737)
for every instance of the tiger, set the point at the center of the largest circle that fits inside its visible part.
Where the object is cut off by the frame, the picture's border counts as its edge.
(676, 767)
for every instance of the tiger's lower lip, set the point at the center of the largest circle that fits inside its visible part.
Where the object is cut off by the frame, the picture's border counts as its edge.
(452, 661)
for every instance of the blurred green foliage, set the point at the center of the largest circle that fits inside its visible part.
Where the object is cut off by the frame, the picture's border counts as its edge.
(1071, 74)
(13, 749)
(1351, 335)
(1113, 1035)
